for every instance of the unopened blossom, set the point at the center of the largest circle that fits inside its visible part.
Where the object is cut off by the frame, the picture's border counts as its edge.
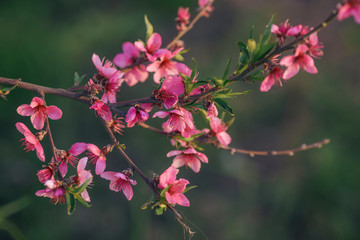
(102, 110)
(179, 120)
(189, 157)
(120, 182)
(174, 194)
(105, 69)
(31, 142)
(163, 65)
(38, 111)
(284, 30)
(171, 89)
(54, 190)
(272, 78)
(152, 45)
(83, 176)
(350, 8)
(111, 87)
(69, 157)
(138, 113)
(219, 128)
(299, 60)
(183, 18)
(129, 57)
(98, 156)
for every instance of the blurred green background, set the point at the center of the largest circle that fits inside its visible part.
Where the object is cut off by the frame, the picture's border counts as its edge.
(312, 195)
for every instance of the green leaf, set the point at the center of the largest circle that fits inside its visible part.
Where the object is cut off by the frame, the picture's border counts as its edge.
(194, 69)
(267, 33)
(243, 49)
(263, 51)
(80, 189)
(78, 79)
(159, 211)
(227, 69)
(70, 202)
(251, 36)
(81, 200)
(149, 27)
(224, 105)
(162, 194)
(189, 188)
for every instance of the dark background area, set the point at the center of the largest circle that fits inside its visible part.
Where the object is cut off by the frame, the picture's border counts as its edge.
(312, 195)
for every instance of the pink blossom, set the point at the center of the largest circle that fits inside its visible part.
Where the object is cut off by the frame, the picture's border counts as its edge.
(163, 65)
(138, 114)
(284, 30)
(212, 111)
(69, 157)
(179, 120)
(210, 8)
(174, 194)
(111, 87)
(120, 182)
(315, 47)
(189, 157)
(130, 57)
(54, 190)
(102, 110)
(98, 156)
(219, 128)
(39, 112)
(46, 173)
(105, 70)
(170, 91)
(183, 18)
(30, 142)
(82, 176)
(272, 78)
(152, 45)
(351, 8)
(299, 60)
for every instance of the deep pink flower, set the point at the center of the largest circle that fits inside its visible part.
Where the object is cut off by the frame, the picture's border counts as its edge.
(189, 157)
(69, 157)
(284, 30)
(105, 69)
(82, 176)
(38, 112)
(98, 156)
(170, 91)
(274, 77)
(183, 18)
(202, 4)
(102, 110)
(351, 8)
(179, 120)
(219, 128)
(46, 173)
(138, 114)
(315, 47)
(174, 195)
(299, 60)
(163, 65)
(30, 142)
(129, 57)
(111, 87)
(54, 190)
(120, 182)
(152, 45)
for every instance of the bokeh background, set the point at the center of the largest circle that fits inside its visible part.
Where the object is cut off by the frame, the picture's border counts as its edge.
(312, 195)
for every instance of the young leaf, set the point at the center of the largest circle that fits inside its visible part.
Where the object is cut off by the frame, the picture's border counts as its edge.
(80, 189)
(149, 27)
(224, 105)
(189, 188)
(81, 200)
(194, 69)
(263, 51)
(267, 33)
(252, 32)
(70, 202)
(78, 79)
(227, 69)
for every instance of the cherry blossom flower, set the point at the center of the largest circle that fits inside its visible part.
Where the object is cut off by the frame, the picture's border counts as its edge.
(315, 47)
(350, 8)
(170, 91)
(130, 57)
(152, 45)
(138, 114)
(174, 194)
(111, 87)
(284, 30)
(299, 60)
(102, 110)
(54, 190)
(182, 19)
(31, 142)
(272, 78)
(120, 182)
(105, 69)
(69, 157)
(97, 156)
(189, 157)
(39, 112)
(82, 176)
(47, 172)
(179, 120)
(219, 128)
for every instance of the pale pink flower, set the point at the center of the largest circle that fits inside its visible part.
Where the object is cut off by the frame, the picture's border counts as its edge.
(138, 113)
(189, 157)
(351, 8)
(174, 194)
(163, 65)
(30, 142)
(272, 78)
(82, 176)
(183, 18)
(69, 157)
(39, 112)
(179, 120)
(152, 45)
(120, 182)
(170, 90)
(105, 69)
(54, 190)
(111, 87)
(130, 57)
(98, 157)
(299, 60)
(102, 110)
(219, 128)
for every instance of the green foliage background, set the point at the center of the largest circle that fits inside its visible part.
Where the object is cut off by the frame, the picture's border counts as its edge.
(312, 195)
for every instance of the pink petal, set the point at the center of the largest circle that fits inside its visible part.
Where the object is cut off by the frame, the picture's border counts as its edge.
(309, 65)
(154, 42)
(127, 190)
(25, 110)
(169, 198)
(36, 101)
(131, 114)
(100, 166)
(287, 61)
(78, 148)
(294, 30)
(291, 71)
(168, 177)
(97, 62)
(94, 149)
(139, 45)
(274, 28)
(63, 168)
(179, 161)
(181, 199)
(108, 175)
(203, 157)
(54, 112)
(122, 60)
(40, 152)
(161, 114)
(194, 164)
(21, 127)
(85, 195)
(224, 138)
(82, 164)
(173, 153)
(130, 50)
(38, 119)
